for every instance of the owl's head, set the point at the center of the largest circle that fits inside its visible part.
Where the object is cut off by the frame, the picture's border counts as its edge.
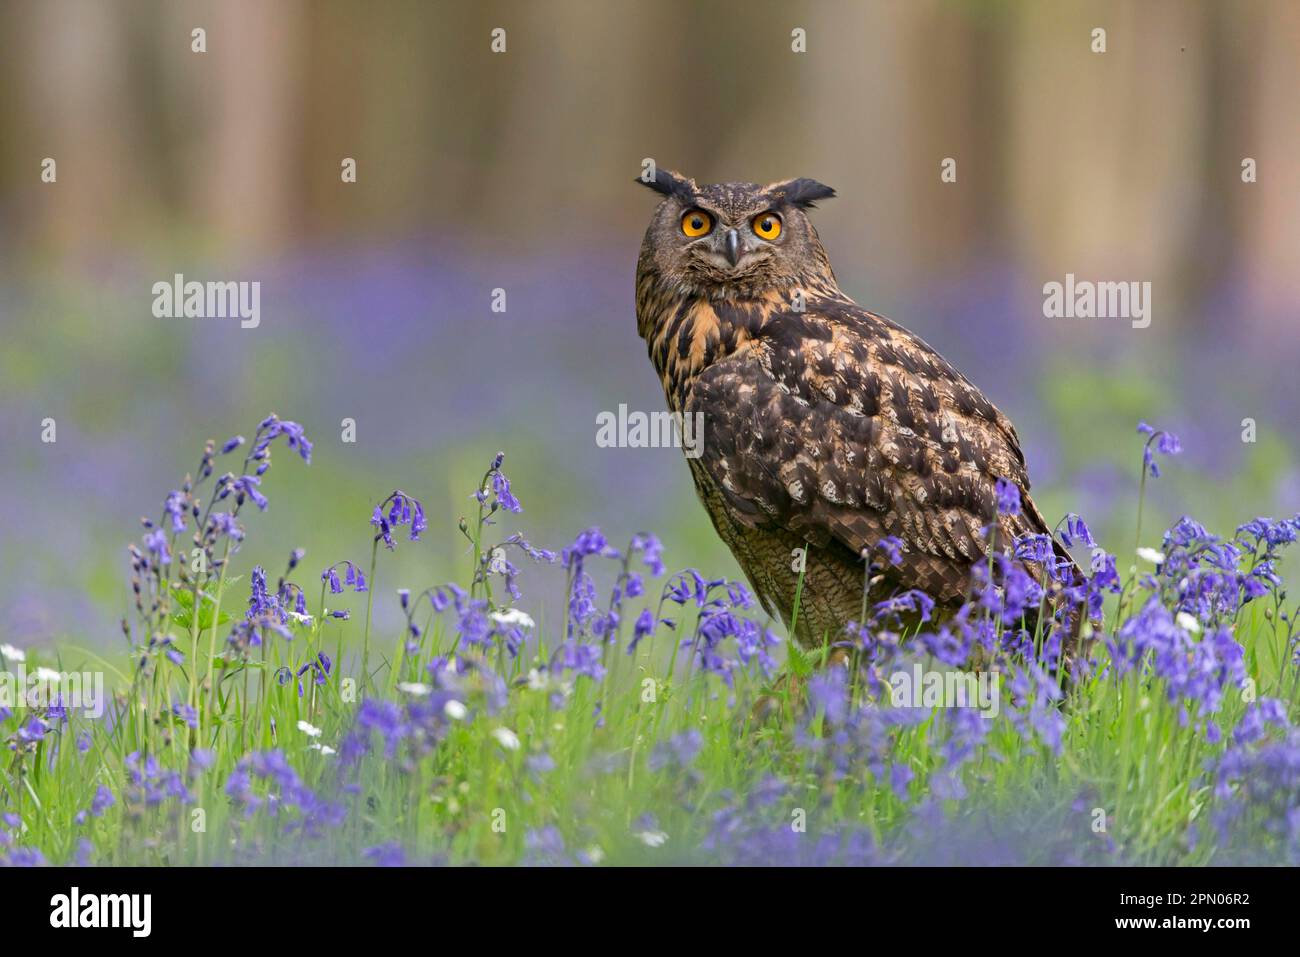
(731, 238)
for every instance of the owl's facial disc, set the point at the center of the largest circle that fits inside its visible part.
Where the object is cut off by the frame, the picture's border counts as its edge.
(734, 238)
(733, 248)
(726, 250)
(732, 244)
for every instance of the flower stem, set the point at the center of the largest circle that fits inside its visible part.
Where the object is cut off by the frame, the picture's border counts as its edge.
(370, 601)
(212, 634)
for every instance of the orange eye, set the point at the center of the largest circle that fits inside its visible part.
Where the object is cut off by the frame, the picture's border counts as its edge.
(767, 226)
(696, 223)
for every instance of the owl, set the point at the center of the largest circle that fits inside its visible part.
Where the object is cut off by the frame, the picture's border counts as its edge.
(827, 429)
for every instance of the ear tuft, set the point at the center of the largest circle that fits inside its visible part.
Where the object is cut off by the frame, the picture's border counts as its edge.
(801, 192)
(671, 183)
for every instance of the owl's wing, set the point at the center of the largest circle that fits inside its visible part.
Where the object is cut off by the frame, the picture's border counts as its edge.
(842, 426)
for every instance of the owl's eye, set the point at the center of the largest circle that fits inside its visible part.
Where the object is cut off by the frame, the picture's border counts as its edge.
(767, 225)
(696, 222)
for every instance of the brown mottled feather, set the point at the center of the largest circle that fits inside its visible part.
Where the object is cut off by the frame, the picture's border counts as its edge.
(830, 427)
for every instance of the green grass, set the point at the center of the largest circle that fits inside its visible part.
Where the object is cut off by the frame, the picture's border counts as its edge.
(657, 761)
(469, 799)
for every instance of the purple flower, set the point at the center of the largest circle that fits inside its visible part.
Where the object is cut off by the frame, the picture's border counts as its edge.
(501, 489)
(908, 602)
(1076, 529)
(900, 776)
(352, 576)
(651, 550)
(589, 542)
(892, 546)
(248, 485)
(259, 601)
(544, 847)
(536, 554)
(1034, 548)
(156, 542)
(176, 507)
(385, 855)
(402, 509)
(186, 714)
(581, 659)
(1166, 443)
(224, 523)
(1008, 497)
(645, 625)
(102, 801)
(678, 752)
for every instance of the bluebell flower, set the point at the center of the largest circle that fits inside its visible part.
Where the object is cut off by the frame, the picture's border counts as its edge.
(651, 551)
(1166, 443)
(156, 542)
(224, 523)
(1008, 497)
(645, 625)
(678, 752)
(385, 855)
(892, 546)
(249, 485)
(186, 714)
(176, 508)
(402, 510)
(1076, 530)
(501, 490)
(1035, 548)
(102, 801)
(353, 576)
(908, 602)
(544, 847)
(536, 554)
(581, 659)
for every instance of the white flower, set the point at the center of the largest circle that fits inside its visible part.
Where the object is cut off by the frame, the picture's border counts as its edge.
(595, 854)
(506, 738)
(1187, 622)
(513, 616)
(308, 730)
(13, 654)
(455, 710)
(1151, 555)
(304, 620)
(652, 838)
(48, 674)
(324, 749)
(414, 687)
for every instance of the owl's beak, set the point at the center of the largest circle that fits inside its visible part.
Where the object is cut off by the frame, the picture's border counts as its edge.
(733, 246)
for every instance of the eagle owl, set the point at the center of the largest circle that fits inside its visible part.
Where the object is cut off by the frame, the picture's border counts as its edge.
(826, 427)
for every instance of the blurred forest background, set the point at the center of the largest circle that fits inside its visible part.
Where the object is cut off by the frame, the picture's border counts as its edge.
(479, 170)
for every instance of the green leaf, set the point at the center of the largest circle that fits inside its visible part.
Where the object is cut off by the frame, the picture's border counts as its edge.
(208, 605)
(800, 664)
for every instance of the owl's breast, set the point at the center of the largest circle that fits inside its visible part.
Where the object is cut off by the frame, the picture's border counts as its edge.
(685, 335)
